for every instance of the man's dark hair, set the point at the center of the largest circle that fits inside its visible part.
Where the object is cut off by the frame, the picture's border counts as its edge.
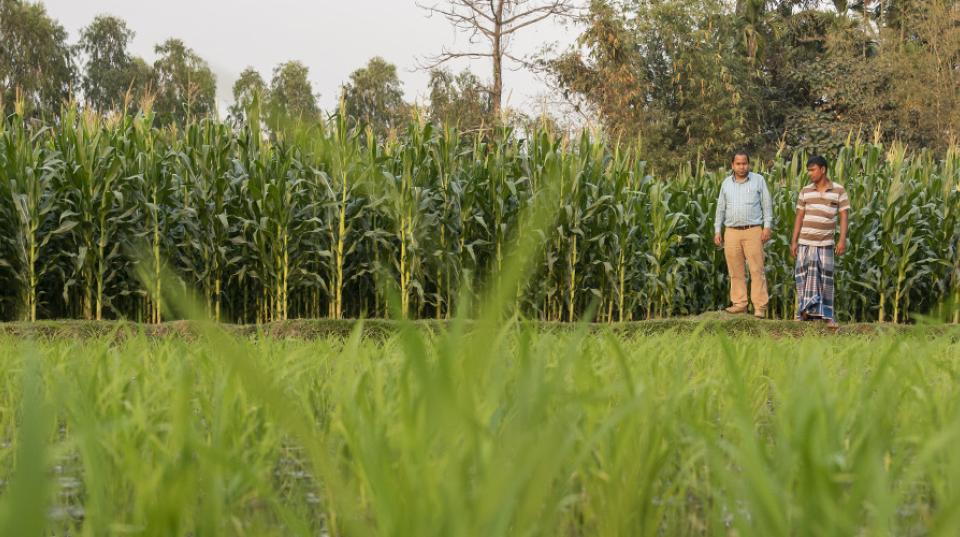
(740, 153)
(817, 160)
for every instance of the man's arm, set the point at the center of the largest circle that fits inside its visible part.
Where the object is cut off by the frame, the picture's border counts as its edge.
(844, 216)
(718, 218)
(842, 244)
(766, 204)
(797, 223)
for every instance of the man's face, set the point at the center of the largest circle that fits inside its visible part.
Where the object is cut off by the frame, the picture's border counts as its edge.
(816, 173)
(741, 165)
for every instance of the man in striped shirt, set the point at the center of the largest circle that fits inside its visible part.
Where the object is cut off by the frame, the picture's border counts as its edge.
(813, 244)
(743, 207)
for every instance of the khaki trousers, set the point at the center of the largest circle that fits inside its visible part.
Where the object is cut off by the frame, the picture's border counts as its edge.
(741, 245)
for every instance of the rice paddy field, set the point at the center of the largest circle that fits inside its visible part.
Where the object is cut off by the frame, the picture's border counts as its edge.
(708, 426)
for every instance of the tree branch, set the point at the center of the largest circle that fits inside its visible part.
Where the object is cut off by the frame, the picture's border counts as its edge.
(523, 63)
(480, 12)
(432, 62)
(507, 30)
(462, 20)
(557, 7)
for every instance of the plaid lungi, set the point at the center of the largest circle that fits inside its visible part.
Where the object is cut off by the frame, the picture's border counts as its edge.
(814, 276)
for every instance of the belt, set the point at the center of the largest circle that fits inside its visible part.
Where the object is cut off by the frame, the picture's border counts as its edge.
(741, 228)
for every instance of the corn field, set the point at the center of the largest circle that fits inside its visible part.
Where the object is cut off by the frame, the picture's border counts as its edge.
(322, 222)
(494, 430)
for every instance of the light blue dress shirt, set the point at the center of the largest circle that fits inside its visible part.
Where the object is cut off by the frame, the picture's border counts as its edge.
(744, 204)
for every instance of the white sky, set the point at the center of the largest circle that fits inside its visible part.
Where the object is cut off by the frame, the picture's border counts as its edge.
(332, 38)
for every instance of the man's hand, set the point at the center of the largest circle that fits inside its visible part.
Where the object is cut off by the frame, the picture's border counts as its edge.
(718, 240)
(793, 250)
(766, 235)
(841, 247)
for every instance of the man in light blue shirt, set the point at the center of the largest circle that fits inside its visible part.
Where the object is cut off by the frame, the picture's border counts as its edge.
(745, 210)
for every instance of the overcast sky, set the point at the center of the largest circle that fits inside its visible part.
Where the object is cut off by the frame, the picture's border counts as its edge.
(332, 37)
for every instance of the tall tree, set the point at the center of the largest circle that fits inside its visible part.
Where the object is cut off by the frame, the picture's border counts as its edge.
(291, 93)
(35, 59)
(374, 96)
(701, 76)
(492, 23)
(460, 99)
(820, 82)
(186, 87)
(110, 72)
(924, 67)
(605, 74)
(668, 73)
(248, 86)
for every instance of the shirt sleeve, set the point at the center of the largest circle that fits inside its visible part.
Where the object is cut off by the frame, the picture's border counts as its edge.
(721, 211)
(844, 201)
(766, 203)
(801, 203)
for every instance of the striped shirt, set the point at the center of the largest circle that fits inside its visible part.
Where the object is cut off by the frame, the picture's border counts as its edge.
(744, 204)
(820, 213)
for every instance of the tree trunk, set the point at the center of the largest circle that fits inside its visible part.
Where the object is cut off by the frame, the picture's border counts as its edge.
(497, 90)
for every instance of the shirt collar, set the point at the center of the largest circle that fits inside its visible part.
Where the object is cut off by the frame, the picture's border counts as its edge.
(830, 187)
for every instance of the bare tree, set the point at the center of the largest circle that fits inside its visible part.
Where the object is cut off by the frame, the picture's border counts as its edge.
(492, 23)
